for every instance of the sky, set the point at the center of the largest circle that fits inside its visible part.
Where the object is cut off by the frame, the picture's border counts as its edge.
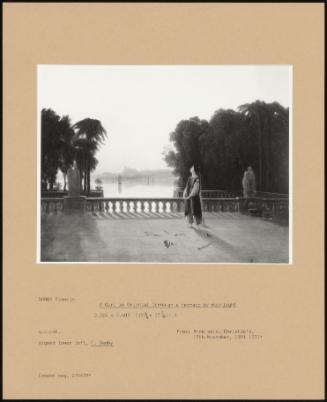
(139, 106)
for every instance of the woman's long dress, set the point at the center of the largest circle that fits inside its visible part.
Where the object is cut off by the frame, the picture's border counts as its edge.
(193, 205)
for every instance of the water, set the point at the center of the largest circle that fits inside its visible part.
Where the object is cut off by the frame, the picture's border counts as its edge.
(143, 188)
(133, 190)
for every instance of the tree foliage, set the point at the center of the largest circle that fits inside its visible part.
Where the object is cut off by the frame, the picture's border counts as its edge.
(89, 135)
(257, 134)
(56, 147)
(62, 143)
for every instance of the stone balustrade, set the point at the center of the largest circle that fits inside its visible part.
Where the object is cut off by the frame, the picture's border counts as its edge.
(221, 193)
(266, 206)
(132, 205)
(214, 193)
(160, 205)
(52, 205)
(265, 194)
(230, 194)
(61, 194)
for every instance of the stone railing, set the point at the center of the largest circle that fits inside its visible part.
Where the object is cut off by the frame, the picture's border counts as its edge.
(61, 194)
(132, 205)
(214, 193)
(265, 194)
(265, 206)
(221, 193)
(52, 205)
(261, 206)
(158, 205)
(230, 194)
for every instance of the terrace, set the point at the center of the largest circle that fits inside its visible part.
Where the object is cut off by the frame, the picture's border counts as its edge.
(236, 230)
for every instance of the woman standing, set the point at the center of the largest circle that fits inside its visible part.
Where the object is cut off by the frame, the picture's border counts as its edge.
(192, 198)
(248, 183)
(245, 184)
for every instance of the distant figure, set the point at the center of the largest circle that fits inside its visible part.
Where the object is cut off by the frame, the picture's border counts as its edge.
(192, 198)
(248, 183)
(74, 182)
(245, 185)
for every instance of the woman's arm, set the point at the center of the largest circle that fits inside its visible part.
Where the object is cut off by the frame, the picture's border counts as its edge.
(195, 189)
(186, 190)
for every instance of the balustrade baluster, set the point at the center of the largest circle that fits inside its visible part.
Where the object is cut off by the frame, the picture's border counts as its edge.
(211, 202)
(212, 206)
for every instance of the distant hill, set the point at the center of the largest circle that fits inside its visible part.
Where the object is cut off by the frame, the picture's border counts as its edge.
(159, 176)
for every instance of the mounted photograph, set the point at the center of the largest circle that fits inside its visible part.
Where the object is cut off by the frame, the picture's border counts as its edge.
(187, 164)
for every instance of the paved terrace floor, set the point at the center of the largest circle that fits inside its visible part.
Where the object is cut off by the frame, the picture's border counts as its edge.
(164, 238)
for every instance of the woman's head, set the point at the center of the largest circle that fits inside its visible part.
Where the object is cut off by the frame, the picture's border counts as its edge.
(195, 169)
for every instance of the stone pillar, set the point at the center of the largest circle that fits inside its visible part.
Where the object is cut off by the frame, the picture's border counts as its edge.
(74, 202)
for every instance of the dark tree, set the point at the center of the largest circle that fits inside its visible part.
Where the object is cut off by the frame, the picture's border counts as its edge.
(186, 140)
(257, 135)
(88, 137)
(56, 147)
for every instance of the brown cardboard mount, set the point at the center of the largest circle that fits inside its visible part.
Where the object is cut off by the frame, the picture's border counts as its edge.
(284, 303)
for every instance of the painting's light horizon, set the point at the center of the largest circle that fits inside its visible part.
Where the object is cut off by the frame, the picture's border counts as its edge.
(139, 106)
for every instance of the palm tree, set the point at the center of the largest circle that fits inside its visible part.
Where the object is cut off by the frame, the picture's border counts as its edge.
(66, 156)
(89, 135)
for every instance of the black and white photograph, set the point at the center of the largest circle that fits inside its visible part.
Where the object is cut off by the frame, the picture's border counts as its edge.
(187, 164)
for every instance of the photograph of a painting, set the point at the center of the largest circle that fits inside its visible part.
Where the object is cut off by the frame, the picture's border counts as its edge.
(164, 164)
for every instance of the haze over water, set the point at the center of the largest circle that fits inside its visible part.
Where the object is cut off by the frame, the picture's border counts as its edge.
(129, 189)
